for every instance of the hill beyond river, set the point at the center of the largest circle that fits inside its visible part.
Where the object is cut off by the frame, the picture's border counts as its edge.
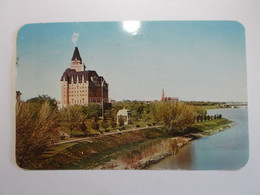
(227, 150)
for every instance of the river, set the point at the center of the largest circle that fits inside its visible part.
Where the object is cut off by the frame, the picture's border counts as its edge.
(227, 150)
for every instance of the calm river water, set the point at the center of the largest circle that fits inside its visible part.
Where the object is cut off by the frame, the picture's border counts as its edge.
(227, 150)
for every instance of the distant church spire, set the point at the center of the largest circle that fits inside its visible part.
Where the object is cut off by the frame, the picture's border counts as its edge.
(163, 95)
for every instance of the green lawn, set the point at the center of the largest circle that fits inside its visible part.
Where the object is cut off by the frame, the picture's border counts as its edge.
(78, 133)
(211, 125)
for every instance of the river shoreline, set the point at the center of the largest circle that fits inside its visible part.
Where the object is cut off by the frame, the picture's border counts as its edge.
(173, 147)
(213, 131)
(227, 150)
(193, 136)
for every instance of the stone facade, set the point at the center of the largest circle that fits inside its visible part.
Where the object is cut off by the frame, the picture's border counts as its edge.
(80, 86)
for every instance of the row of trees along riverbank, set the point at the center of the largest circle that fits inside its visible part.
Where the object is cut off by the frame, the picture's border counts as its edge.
(39, 123)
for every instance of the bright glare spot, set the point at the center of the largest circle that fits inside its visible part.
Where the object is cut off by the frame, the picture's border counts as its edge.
(131, 27)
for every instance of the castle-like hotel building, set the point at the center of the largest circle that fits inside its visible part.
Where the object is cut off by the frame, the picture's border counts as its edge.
(80, 86)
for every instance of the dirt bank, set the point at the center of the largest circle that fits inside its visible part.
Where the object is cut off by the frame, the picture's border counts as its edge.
(147, 153)
(90, 154)
(144, 155)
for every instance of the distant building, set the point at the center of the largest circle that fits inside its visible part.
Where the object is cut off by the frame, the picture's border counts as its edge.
(18, 97)
(125, 114)
(173, 99)
(80, 86)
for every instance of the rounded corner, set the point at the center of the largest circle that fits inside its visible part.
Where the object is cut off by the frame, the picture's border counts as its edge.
(243, 166)
(240, 24)
(20, 166)
(23, 27)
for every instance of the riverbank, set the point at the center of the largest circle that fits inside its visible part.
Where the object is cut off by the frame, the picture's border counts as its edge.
(95, 152)
(127, 150)
(208, 128)
(227, 150)
(147, 153)
(143, 157)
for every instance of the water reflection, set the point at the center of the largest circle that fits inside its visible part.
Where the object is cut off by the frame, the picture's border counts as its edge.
(183, 160)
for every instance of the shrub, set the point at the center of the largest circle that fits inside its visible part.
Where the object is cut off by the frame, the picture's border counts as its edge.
(37, 126)
(84, 128)
(176, 117)
(72, 117)
(113, 124)
(104, 124)
(95, 125)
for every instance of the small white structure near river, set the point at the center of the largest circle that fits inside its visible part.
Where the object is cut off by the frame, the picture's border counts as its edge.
(125, 114)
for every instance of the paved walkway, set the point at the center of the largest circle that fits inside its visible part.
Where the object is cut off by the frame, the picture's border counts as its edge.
(117, 132)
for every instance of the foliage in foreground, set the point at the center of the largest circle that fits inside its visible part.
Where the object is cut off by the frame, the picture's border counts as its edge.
(176, 117)
(36, 128)
(72, 117)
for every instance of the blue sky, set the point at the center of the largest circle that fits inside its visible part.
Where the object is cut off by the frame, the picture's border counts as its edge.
(203, 61)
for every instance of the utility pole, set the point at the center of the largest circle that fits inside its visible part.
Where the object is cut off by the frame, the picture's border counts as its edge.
(102, 99)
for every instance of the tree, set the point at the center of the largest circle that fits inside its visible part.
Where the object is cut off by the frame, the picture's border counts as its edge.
(84, 128)
(104, 124)
(201, 111)
(37, 126)
(176, 117)
(92, 111)
(113, 124)
(41, 99)
(95, 125)
(71, 117)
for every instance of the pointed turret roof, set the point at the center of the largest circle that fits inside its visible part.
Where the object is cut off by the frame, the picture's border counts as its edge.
(76, 55)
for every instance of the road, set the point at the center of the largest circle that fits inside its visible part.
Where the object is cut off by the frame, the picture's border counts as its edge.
(117, 132)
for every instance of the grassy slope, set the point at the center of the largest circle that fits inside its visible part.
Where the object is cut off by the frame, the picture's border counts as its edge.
(91, 153)
(208, 128)
(96, 152)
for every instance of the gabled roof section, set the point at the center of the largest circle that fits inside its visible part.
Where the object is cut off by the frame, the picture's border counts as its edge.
(76, 55)
(71, 73)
